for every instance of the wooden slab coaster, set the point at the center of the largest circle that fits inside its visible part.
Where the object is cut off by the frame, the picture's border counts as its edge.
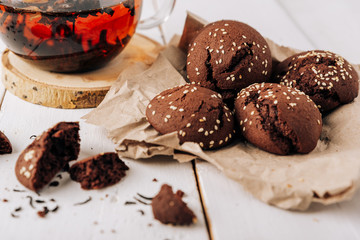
(80, 90)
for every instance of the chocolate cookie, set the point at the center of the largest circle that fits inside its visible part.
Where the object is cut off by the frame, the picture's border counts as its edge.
(227, 56)
(196, 113)
(5, 145)
(326, 77)
(169, 208)
(47, 155)
(98, 171)
(278, 119)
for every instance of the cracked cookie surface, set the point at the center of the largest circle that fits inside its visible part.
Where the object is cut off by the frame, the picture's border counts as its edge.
(197, 114)
(227, 56)
(278, 119)
(326, 77)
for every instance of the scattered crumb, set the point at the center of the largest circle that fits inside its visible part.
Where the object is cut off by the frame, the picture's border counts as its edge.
(43, 212)
(315, 220)
(154, 180)
(113, 231)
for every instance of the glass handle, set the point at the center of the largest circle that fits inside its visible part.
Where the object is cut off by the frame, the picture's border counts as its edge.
(160, 16)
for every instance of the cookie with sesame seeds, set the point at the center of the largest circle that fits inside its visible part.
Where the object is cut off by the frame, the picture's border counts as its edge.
(326, 77)
(5, 145)
(227, 56)
(47, 155)
(197, 114)
(278, 119)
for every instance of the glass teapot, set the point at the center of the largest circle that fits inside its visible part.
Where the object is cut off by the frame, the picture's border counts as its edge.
(72, 35)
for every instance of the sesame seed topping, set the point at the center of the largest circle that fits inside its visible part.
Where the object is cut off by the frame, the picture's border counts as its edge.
(200, 130)
(201, 144)
(22, 170)
(29, 155)
(166, 120)
(221, 142)
(212, 142)
(181, 110)
(149, 106)
(153, 113)
(27, 174)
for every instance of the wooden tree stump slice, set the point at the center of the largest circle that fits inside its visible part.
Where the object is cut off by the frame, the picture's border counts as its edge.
(75, 90)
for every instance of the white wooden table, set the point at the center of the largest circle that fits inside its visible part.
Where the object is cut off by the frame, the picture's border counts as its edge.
(223, 209)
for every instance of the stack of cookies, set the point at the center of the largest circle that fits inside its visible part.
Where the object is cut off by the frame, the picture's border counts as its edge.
(235, 91)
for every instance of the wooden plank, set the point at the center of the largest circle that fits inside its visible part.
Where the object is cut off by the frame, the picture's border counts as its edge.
(106, 216)
(106, 212)
(2, 87)
(265, 16)
(233, 213)
(330, 24)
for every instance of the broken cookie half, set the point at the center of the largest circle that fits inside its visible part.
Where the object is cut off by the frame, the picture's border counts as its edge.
(47, 155)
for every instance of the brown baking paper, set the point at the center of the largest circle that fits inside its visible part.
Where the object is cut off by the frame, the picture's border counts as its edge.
(328, 174)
